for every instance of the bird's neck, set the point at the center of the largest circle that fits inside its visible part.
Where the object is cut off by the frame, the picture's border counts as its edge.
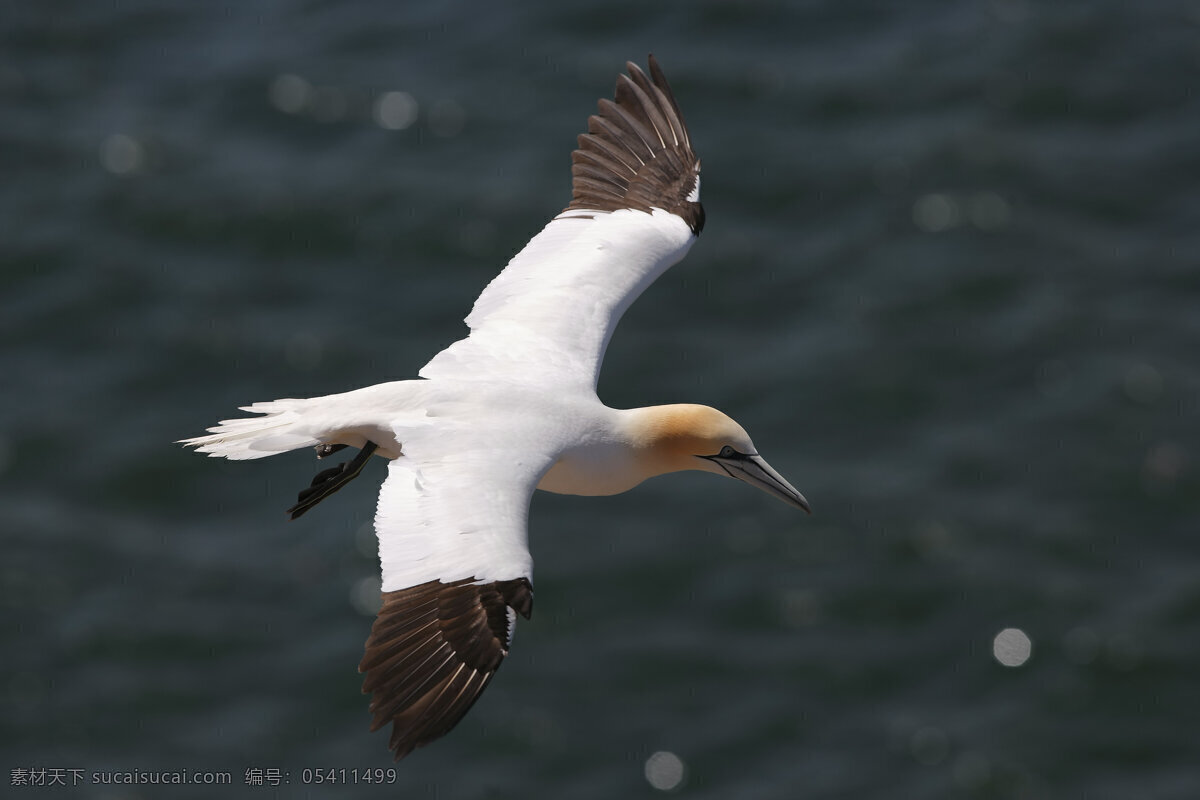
(639, 443)
(663, 439)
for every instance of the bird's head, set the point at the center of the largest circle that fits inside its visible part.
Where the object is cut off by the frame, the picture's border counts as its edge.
(682, 437)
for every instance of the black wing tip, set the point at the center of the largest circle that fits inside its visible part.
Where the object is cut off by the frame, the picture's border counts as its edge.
(433, 649)
(655, 69)
(639, 130)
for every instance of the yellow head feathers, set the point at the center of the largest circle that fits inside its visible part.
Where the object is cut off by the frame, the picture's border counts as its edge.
(676, 436)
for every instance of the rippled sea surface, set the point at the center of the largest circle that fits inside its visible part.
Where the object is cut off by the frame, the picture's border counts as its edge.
(950, 283)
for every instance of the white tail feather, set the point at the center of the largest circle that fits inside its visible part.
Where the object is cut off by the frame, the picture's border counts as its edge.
(374, 413)
(282, 428)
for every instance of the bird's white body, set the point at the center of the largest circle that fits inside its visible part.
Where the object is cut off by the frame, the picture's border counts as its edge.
(512, 408)
(516, 398)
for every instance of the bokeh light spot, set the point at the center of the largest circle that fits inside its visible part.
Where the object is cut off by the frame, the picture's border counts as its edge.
(1165, 464)
(665, 771)
(988, 211)
(1143, 384)
(395, 111)
(799, 608)
(935, 213)
(289, 93)
(121, 154)
(1012, 647)
(366, 595)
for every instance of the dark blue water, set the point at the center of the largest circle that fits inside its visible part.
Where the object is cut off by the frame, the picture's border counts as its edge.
(950, 283)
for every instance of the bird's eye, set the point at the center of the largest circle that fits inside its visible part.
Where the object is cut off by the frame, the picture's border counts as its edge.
(728, 452)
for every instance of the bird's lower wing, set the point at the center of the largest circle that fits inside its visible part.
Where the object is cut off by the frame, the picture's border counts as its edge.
(456, 571)
(433, 649)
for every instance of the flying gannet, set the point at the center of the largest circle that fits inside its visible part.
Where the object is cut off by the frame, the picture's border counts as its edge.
(509, 409)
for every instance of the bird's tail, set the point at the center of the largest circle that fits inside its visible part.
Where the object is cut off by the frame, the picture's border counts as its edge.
(283, 426)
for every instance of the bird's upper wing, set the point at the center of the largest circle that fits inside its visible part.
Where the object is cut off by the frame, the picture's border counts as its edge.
(451, 523)
(635, 211)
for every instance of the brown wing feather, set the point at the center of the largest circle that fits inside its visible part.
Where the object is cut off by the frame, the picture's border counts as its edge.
(432, 650)
(636, 153)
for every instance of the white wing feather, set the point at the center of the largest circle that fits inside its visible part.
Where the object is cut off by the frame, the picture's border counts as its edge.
(454, 509)
(549, 315)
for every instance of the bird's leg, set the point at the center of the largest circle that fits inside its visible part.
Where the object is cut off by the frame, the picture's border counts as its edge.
(324, 450)
(330, 480)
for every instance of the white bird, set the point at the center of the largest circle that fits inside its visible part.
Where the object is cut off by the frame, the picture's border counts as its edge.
(509, 409)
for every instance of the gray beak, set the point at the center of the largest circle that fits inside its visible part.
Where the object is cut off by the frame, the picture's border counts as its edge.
(758, 473)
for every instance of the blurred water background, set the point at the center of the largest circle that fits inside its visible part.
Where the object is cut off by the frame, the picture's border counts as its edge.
(949, 283)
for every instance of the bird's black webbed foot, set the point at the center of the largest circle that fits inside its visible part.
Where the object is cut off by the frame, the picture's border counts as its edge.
(330, 480)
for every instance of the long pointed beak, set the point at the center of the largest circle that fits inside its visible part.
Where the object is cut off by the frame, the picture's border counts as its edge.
(754, 470)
